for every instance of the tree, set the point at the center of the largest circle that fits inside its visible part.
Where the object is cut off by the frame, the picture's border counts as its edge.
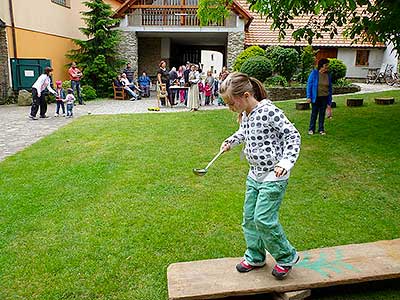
(98, 55)
(365, 20)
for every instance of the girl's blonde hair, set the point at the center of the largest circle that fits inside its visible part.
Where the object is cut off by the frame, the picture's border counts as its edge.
(236, 84)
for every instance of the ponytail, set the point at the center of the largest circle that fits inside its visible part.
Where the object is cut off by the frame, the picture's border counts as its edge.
(259, 91)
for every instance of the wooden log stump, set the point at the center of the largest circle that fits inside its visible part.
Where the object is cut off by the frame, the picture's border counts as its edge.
(384, 101)
(355, 101)
(302, 105)
(296, 295)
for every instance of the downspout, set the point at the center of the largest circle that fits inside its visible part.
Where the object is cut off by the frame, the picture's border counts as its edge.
(14, 36)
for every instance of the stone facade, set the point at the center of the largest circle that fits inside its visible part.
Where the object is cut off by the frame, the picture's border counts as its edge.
(150, 55)
(234, 47)
(128, 48)
(4, 71)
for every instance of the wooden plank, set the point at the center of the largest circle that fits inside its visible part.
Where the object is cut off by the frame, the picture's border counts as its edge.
(218, 278)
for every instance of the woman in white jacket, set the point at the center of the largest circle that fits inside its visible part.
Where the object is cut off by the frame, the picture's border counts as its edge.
(38, 97)
(193, 98)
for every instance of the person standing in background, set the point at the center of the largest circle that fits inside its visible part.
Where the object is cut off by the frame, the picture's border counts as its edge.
(319, 94)
(130, 74)
(75, 76)
(38, 95)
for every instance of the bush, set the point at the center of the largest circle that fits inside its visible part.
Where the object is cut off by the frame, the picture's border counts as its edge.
(343, 82)
(307, 61)
(284, 60)
(252, 51)
(88, 93)
(66, 85)
(337, 69)
(276, 80)
(258, 67)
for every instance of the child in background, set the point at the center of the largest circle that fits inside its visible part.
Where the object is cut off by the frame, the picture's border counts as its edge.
(70, 102)
(272, 146)
(208, 93)
(163, 95)
(60, 96)
(201, 92)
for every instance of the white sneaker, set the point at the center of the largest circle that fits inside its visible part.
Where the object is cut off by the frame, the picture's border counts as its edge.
(57, 115)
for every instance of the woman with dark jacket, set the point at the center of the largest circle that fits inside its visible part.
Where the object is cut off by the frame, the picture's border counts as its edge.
(163, 78)
(319, 94)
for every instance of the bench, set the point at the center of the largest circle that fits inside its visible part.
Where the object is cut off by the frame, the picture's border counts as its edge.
(119, 93)
(384, 101)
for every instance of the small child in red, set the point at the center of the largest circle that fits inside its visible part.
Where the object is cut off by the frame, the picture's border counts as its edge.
(208, 92)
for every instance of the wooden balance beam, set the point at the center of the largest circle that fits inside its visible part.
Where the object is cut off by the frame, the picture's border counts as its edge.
(348, 264)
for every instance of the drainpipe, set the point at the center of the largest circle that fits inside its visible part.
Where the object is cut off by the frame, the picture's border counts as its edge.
(14, 36)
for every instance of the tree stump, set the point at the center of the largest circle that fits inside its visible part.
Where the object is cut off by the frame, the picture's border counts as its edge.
(355, 101)
(384, 101)
(333, 104)
(302, 105)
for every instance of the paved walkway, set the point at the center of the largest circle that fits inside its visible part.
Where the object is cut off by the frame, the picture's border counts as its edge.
(18, 132)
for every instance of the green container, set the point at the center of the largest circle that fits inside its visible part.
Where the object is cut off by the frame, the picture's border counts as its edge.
(25, 71)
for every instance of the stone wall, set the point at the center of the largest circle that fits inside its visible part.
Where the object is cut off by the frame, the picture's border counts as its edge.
(150, 55)
(287, 93)
(234, 47)
(128, 48)
(4, 72)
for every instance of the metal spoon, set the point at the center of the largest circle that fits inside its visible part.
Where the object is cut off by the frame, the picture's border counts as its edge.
(202, 172)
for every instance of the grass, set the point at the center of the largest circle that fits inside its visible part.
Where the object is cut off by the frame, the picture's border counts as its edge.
(100, 208)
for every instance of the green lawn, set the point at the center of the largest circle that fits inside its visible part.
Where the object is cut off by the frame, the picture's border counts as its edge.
(100, 208)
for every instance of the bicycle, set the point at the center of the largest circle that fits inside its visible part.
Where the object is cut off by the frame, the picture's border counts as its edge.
(392, 79)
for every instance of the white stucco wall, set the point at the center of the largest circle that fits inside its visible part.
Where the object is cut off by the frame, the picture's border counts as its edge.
(348, 56)
(212, 59)
(390, 56)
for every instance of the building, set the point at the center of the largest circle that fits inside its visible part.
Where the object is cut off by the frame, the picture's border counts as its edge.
(39, 29)
(357, 57)
(169, 30)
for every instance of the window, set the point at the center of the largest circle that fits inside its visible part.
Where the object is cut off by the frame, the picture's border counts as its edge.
(362, 58)
(66, 3)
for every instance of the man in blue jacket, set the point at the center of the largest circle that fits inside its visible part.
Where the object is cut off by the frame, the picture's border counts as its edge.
(319, 94)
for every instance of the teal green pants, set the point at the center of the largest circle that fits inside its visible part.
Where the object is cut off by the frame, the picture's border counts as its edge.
(261, 226)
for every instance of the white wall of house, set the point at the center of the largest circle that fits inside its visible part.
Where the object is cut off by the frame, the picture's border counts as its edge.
(390, 56)
(212, 61)
(348, 56)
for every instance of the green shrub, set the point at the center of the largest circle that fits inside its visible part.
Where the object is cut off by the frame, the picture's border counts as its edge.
(307, 63)
(251, 51)
(276, 80)
(337, 69)
(343, 82)
(66, 85)
(272, 52)
(258, 67)
(88, 93)
(284, 60)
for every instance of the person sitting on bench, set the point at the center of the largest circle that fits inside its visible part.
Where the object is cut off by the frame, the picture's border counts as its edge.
(119, 83)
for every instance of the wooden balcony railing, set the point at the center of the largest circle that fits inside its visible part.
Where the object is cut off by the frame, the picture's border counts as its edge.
(171, 16)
